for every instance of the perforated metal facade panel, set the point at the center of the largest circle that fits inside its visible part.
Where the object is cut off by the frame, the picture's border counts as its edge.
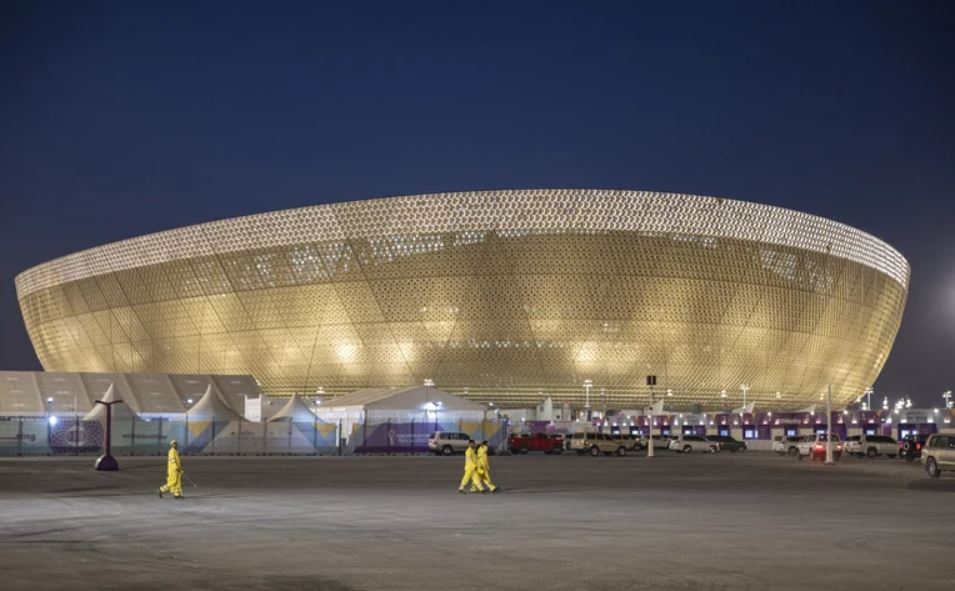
(502, 295)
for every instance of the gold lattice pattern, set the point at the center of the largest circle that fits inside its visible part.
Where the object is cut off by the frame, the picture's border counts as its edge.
(503, 295)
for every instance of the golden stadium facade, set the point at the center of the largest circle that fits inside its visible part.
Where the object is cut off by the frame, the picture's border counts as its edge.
(504, 296)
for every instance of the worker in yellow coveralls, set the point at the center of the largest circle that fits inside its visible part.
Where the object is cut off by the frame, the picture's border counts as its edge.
(470, 470)
(484, 468)
(173, 472)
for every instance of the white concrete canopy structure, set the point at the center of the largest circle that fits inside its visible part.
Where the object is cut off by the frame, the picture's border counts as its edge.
(36, 393)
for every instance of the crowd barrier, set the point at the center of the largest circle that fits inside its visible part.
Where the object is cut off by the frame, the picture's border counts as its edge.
(39, 436)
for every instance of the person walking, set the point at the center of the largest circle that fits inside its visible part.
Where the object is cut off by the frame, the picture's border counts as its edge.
(484, 468)
(470, 470)
(173, 472)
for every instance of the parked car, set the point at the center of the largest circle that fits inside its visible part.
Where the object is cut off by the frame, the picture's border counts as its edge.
(786, 444)
(910, 448)
(521, 443)
(639, 442)
(814, 447)
(938, 454)
(632, 442)
(871, 446)
(689, 443)
(728, 443)
(662, 442)
(596, 444)
(448, 443)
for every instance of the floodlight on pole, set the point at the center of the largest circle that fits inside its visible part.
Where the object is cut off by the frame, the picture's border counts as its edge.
(588, 384)
(651, 382)
(829, 459)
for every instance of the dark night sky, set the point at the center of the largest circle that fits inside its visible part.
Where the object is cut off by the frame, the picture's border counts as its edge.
(121, 118)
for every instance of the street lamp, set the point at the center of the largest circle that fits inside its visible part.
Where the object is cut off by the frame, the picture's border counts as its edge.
(588, 384)
(829, 459)
(868, 397)
(745, 389)
(947, 395)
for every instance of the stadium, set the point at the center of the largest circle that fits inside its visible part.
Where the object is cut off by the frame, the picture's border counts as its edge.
(500, 296)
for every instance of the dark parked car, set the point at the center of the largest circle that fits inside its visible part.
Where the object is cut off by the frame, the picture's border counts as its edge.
(910, 448)
(727, 443)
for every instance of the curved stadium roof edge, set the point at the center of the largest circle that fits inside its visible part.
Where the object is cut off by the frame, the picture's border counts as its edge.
(548, 211)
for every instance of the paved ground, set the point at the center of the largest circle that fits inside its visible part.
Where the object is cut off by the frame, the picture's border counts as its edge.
(754, 521)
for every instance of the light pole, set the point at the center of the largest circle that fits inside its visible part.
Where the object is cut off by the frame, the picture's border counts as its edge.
(829, 459)
(868, 398)
(587, 385)
(76, 426)
(745, 389)
(947, 395)
(651, 381)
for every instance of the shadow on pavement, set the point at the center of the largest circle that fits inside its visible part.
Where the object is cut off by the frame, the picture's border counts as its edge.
(944, 485)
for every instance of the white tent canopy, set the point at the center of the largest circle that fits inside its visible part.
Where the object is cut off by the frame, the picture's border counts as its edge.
(120, 412)
(295, 409)
(362, 414)
(212, 407)
(409, 399)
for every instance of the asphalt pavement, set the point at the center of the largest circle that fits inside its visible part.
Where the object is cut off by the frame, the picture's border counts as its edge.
(725, 521)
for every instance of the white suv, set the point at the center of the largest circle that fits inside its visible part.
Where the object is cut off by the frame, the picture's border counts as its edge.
(938, 454)
(786, 444)
(596, 444)
(871, 446)
(448, 443)
(689, 443)
(814, 446)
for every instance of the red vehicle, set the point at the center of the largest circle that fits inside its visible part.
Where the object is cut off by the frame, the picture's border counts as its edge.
(521, 443)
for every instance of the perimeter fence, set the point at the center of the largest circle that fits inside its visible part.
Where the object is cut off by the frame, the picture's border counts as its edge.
(65, 435)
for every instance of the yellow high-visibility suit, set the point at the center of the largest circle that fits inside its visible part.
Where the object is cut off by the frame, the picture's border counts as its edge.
(173, 473)
(470, 471)
(484, 468)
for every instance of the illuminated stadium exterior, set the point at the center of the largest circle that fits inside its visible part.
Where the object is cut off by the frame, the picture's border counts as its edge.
(503, 296)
